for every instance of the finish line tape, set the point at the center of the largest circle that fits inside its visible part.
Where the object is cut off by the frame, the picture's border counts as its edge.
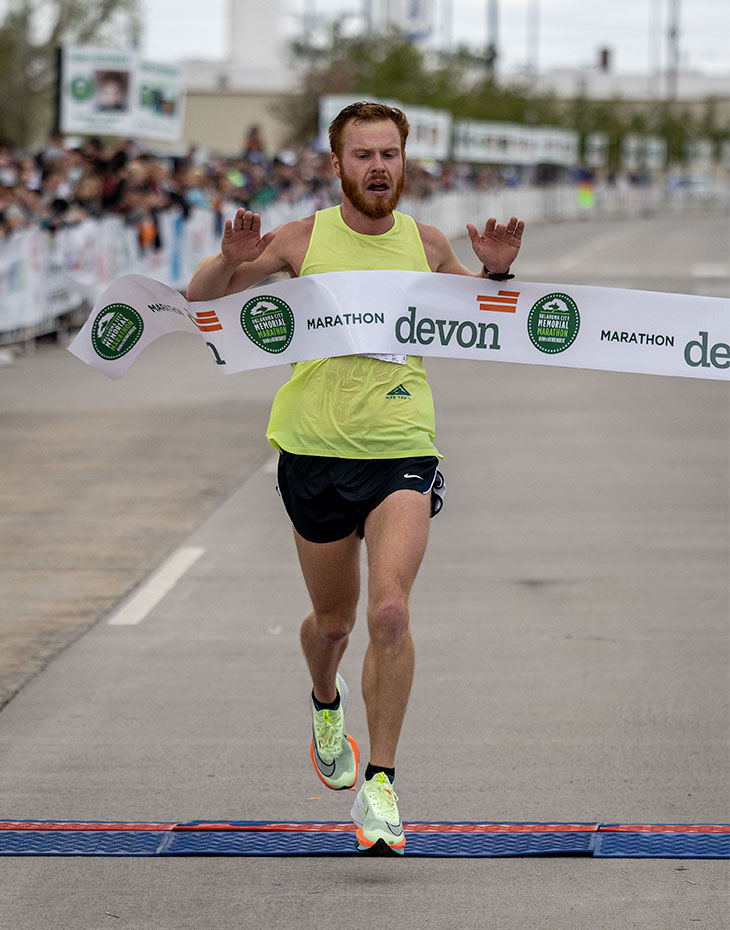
(394, 313)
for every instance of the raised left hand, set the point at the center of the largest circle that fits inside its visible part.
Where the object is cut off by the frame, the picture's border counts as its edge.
(499, 244)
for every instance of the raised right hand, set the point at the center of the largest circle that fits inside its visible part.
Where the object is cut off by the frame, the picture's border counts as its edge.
(242, 240)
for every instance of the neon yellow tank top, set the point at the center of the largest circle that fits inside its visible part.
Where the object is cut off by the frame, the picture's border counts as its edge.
(354, 407)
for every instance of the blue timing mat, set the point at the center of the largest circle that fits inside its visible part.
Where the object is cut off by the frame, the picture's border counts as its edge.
(264, 838)
(423, 839)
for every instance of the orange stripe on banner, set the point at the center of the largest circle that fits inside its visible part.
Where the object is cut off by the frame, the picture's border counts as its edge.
(506, 301)
(207, 321)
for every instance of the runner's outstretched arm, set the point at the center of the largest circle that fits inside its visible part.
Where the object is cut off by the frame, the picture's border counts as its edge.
(496, 248)
(498, 245)
(242, 243)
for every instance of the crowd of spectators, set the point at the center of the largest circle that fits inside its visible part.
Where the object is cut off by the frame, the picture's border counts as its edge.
(69, 180)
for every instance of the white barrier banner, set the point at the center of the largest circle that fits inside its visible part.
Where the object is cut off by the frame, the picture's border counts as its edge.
(417, 313)
(25, 300)
(54, 270)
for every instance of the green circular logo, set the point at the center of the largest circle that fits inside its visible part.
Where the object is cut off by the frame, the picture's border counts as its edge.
(117, 328)
(147, 97)
(268, 322)
(82, 88)
(553, 323)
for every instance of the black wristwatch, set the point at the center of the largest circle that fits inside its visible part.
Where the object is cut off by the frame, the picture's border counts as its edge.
(497, 275)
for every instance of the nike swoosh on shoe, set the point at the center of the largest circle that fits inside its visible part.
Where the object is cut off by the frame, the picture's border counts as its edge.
(326, 768)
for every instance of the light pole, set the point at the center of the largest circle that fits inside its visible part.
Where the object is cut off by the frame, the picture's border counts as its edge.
(492, 51)
(533, 39)
(367, 15)
(673, 51)
(447, 24)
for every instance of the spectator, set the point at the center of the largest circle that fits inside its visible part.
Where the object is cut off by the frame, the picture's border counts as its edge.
(253, 146)
(67, 182)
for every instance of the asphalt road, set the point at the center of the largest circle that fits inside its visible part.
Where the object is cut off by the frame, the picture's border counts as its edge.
(571, 626)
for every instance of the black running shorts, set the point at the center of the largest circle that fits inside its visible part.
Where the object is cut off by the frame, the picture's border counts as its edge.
(328, 498)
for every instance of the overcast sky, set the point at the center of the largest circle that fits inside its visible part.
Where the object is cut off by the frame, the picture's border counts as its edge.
(570, 32)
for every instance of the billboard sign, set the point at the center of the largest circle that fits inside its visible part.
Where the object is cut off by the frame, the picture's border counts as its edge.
(115, 93)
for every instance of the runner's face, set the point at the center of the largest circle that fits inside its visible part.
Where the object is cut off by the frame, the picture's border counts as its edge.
(371, 167)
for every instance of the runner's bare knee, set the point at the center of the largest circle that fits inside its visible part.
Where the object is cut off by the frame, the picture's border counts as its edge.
(388, 622)
(334, 625)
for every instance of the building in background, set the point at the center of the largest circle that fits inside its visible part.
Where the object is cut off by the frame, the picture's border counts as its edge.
(225, 98)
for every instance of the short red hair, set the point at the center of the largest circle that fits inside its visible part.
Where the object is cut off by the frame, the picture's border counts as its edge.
(362, 112)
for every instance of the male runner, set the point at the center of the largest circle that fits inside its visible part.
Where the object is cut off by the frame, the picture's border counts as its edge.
(355, 462)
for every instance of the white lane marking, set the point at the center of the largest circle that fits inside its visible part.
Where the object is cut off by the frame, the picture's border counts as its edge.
(156, 587)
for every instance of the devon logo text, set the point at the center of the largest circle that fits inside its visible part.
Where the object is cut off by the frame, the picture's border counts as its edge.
(465, 333)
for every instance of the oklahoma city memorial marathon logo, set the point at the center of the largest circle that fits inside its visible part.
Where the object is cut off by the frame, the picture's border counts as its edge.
(268, 322)
(553, 323)
(115, 331)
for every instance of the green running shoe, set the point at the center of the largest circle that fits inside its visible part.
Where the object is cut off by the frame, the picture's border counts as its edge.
(375, 813)
(334, 754)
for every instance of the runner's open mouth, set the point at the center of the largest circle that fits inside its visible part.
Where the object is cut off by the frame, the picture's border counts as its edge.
(379, 186)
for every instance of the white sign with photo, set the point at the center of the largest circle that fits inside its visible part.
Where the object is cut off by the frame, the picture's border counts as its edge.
(113, 93)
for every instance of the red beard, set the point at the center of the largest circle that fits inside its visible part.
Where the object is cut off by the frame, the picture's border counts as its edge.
(377, 209)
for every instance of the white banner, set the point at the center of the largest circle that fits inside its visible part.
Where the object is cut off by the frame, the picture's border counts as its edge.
(430, 133)
(417, 313)
(26, 285)
(488, 142)
(43, 276)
